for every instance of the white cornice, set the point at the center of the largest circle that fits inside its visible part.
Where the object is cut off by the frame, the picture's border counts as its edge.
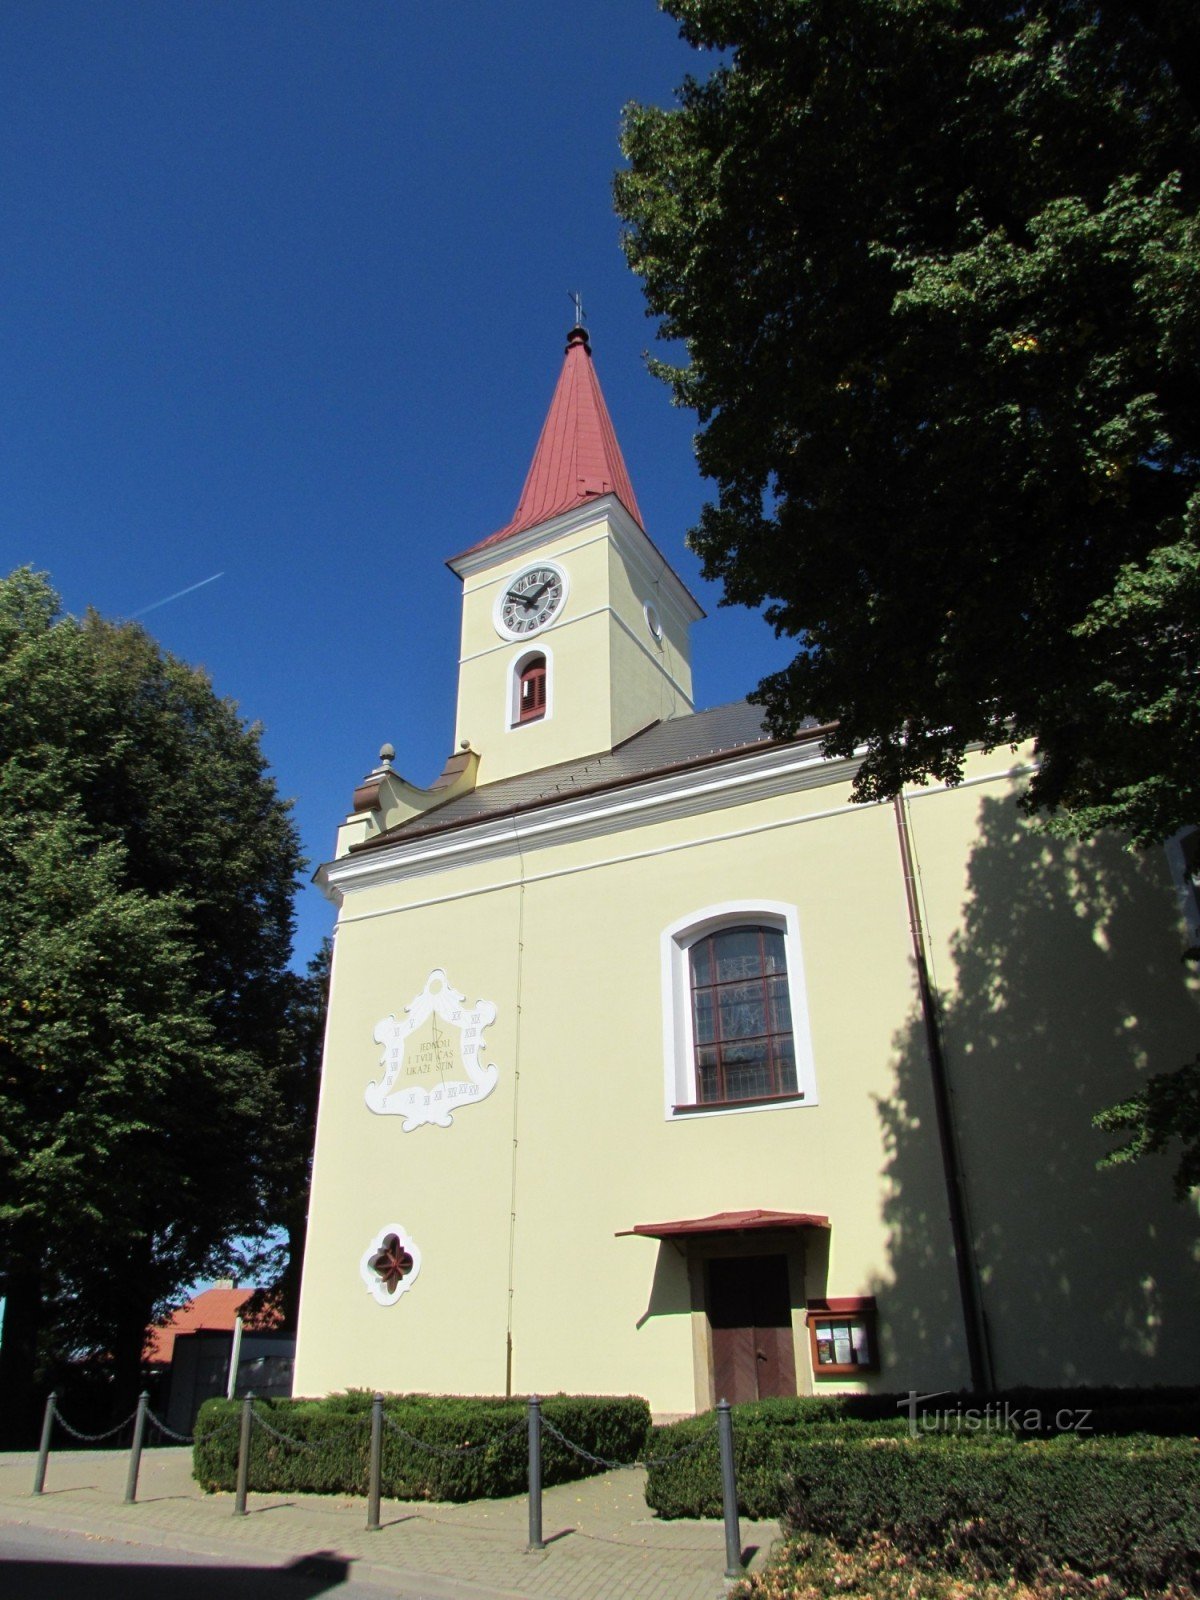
(558, 628)
(759, 775)
(634, 538)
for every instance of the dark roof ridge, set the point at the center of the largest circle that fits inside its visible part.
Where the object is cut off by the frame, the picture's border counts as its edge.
(623, 781)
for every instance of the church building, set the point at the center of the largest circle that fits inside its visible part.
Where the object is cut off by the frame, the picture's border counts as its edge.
(656, 1065)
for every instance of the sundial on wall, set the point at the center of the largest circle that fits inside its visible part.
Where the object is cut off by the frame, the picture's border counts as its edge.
(432, 1057)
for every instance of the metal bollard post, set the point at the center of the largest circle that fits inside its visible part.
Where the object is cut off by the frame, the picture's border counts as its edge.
(135, 1452)
(536, 1541)
(243, 1472)
(39, 1475)
(733, 1533)
(375, 1469)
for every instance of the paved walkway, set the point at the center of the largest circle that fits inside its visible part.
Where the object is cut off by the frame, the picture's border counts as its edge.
(601, 1541)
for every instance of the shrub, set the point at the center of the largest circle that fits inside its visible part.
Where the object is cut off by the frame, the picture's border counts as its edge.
(684, 1479)
(334, 1436)
(1126, 1508)
(769, 1433)
(806, 1567)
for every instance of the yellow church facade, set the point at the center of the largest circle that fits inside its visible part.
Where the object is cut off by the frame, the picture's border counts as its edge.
(656, 1065)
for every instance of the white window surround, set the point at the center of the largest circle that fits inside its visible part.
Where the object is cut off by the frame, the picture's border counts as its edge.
(679, 1079)
(512, 692)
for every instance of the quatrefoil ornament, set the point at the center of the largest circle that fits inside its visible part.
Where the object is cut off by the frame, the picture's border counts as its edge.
(390, 1264)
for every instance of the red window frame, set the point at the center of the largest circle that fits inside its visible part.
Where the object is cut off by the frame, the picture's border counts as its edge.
(531, 690)
(712, 1076)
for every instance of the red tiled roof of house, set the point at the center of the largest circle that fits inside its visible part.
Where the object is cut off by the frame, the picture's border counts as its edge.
(212, 1311)
(577, 456)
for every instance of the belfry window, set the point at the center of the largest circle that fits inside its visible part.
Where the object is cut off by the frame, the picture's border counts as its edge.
(531, 690)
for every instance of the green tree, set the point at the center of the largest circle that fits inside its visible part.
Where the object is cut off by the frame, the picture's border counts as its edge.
(147, 869)
(285, 1165)
(936, 268)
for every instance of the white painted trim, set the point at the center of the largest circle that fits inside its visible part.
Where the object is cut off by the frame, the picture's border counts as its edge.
(645, 558)
(760, 775)
(924, 793)
(623, 859)
(512, 703)
(333, 891)
(506, 583)
(676, 941)
(657, 657)
(584, 616)
(519, 545)
(621, 525)
(596, 533)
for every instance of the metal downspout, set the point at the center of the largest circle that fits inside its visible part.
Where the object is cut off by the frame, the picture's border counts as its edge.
(979, 1353)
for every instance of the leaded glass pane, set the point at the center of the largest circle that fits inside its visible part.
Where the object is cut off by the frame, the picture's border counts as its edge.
(702, 963)
(774, 958)
(746, 1071)
(707, 1080)
(741, 1015)
(743, 1011)
(739, 954)
(785, 1065)
(702, 1015)
(781, 1006)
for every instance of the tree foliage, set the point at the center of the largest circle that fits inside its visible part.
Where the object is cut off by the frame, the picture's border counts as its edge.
(936, 265)
(286, 1153)
(936, 268)
(147, 870)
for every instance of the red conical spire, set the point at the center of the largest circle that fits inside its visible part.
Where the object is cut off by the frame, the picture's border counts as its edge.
(577, 457)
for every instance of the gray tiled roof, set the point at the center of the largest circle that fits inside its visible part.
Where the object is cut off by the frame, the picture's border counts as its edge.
(679, 742)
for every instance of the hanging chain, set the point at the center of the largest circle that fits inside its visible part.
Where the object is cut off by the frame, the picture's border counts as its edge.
(613, 1466)
(284, 1438)
(182, 1438)
(92, 1438)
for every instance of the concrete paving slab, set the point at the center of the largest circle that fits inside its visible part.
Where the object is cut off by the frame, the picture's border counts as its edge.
(601, 1540)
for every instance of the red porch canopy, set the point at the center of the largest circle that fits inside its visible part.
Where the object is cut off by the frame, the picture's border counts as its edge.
(726, 1222)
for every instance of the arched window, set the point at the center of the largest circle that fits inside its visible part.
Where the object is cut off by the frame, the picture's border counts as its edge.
(741, 1015)
(735, 1017)
(531, 690)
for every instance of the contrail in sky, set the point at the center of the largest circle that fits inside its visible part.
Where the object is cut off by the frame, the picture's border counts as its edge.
(190, 590)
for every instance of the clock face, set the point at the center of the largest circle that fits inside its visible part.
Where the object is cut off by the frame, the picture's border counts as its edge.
(530, 600)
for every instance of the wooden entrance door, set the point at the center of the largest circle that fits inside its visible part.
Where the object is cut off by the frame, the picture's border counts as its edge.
(750, 1311)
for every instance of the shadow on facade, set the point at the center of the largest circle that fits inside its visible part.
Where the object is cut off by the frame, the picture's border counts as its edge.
(1065, 987)
(670, 1291)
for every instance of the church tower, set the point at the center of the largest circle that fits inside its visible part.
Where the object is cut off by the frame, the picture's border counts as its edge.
(574, 626)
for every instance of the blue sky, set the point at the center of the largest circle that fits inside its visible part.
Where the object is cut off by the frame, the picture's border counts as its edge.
(285, 296)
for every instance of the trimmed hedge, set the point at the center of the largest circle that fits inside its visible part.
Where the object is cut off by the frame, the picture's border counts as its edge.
(1117, 1504)
(768, 1437)
(1125, 1508)
(337, 1433)
(769, 1434)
